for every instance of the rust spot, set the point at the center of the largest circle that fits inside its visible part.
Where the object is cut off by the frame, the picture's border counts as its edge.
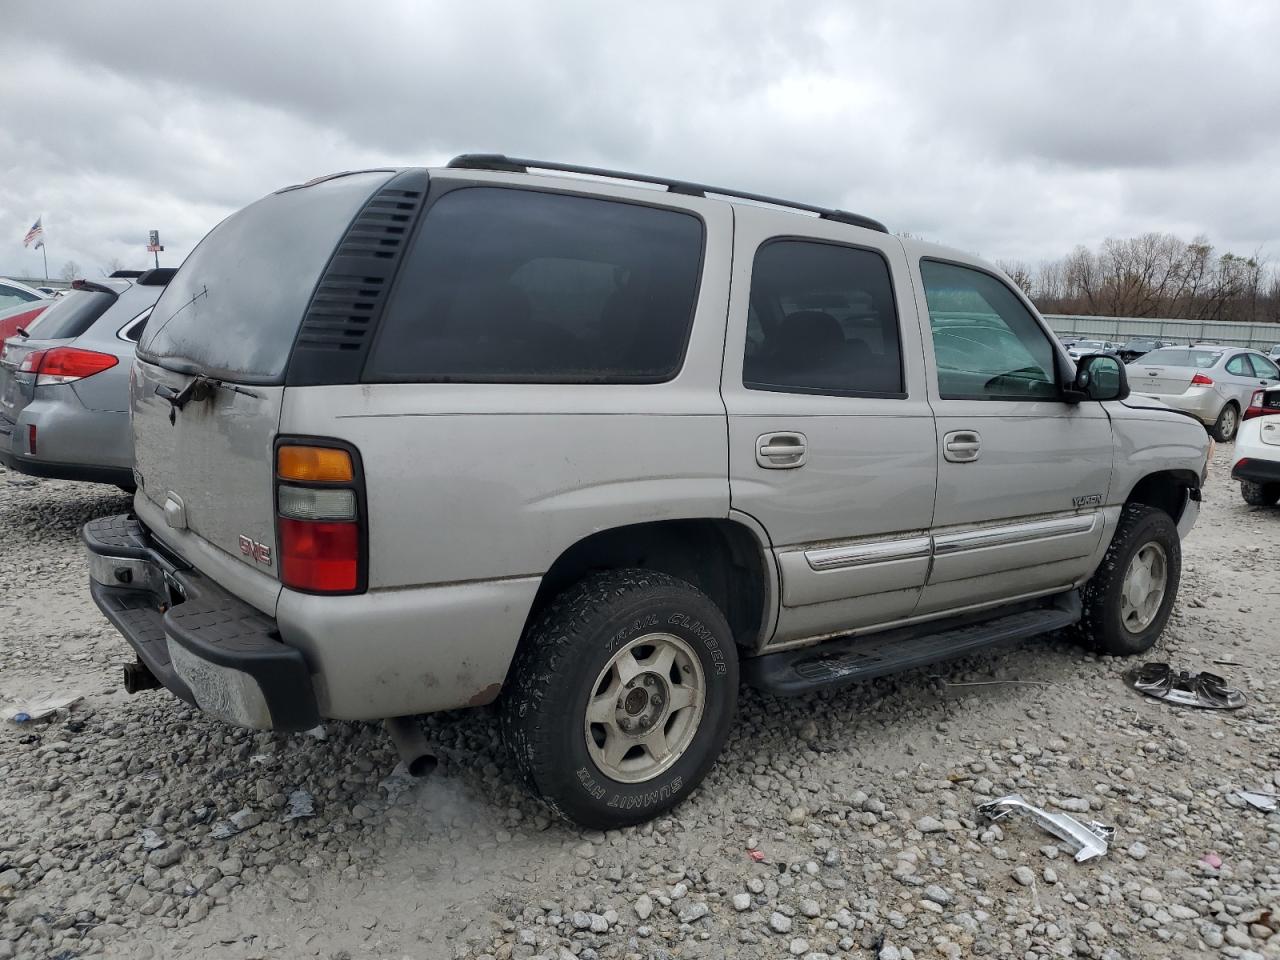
(487, 695)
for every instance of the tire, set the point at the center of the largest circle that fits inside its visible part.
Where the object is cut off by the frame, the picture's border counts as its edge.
(1228, 422)
(1109, 625)
(1260, 494)
(571, 656)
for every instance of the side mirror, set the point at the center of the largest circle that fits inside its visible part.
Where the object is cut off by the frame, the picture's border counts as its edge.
(1099, 376)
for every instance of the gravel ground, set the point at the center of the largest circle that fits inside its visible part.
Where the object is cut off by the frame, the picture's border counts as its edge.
(839, 824)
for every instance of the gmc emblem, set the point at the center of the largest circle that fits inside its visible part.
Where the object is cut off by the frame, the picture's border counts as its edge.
(258, 552)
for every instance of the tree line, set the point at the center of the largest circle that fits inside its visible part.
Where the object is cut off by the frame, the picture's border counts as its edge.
(1154, 275)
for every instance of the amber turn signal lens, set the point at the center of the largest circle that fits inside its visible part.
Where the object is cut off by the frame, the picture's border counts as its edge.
(314, 464)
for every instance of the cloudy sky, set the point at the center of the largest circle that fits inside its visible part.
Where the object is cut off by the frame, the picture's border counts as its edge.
(1012, 129)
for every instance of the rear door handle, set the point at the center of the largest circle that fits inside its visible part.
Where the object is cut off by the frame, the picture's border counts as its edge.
(962, 446)
(781, 451)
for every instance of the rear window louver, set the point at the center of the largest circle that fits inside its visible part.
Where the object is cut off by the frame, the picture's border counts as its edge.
(348, 300)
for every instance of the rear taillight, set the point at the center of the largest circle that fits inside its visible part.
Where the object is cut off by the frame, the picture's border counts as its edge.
(319, 518)
(1258, 406)
(1200, 380)
(65, 364)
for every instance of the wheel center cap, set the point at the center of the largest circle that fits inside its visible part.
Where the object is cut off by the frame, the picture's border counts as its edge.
(635, 702)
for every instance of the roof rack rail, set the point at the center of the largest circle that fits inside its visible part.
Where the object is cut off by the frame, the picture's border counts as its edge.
(496, 161)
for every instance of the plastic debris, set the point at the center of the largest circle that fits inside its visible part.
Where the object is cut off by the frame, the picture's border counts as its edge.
(151, 840)
(39, 707)
(397, 782)
(1088, 839)
(1261, 800)
(756, 855)
(1212, 860)
(301, 805)
(1205, 690)
(318, 732)
(238, 822)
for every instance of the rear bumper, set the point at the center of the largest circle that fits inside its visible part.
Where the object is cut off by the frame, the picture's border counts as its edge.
(206, 646)
(1256, 471)
(1203, 403)
(66, 471)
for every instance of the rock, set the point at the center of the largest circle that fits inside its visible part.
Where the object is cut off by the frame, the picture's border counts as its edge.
(810, 908)
(643, 906)
(741, 902)
(167, 856)
(23, 911)
(930, 825)
(1137, 850)
(1024, 876)
(798, 946)
(694, 912)
(939, 895)
(779, 923)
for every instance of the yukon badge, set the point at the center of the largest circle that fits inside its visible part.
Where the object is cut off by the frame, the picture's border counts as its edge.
(1088, 500)
(258, 552)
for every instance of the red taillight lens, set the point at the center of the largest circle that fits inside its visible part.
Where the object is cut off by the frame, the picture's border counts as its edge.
(1200, 380)
(319, 518)
(65, 364)
(319, 556)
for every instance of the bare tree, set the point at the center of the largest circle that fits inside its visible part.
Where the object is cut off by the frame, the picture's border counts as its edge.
(114, 264)
(70, 270)
(1018, 272)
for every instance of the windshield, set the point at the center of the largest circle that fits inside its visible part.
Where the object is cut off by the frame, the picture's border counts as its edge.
(1183, 358)
(1140, 345)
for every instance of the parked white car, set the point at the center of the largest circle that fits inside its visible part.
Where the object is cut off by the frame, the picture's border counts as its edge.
(1257, 453)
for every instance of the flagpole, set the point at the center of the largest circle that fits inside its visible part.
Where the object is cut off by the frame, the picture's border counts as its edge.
(44, 252)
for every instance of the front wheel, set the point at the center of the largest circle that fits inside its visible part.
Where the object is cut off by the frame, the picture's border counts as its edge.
(621, 697)
(1128, 601)
(1260, 494)
(1224, 428)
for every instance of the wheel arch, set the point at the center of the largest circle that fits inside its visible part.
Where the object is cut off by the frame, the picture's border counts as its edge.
(724, 558)
(1165, 490)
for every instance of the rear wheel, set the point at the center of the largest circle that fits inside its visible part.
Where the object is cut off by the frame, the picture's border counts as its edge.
(1224, 429)
(1128, 600)
(621, 697)
(1260, 494)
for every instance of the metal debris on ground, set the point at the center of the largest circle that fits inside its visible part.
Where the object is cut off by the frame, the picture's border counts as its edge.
(397, 782)
(301, 805)
(1088, 839)
(39, 707)
(1260, 799)
(238, 822)
(150, 839)
(1206, 690)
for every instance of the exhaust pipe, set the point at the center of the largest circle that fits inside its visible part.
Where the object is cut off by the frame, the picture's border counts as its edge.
(410, 742)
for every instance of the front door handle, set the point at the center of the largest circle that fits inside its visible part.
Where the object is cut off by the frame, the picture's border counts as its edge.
(781, 451)
(962, 446)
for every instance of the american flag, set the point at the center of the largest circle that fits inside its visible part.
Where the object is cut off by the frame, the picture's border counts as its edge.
(36, 233)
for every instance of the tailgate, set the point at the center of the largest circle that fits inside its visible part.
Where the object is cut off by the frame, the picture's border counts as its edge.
(209, 465)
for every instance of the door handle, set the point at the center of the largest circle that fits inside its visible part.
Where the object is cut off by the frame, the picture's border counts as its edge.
(962, 446)
(781, 451)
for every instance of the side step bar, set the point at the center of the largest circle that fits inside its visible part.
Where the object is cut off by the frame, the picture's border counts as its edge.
(837, 662)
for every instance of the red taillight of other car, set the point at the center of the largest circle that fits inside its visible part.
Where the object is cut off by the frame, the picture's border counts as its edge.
(65, 364)
(319, 520)
(1200, 380)
(1259, 407)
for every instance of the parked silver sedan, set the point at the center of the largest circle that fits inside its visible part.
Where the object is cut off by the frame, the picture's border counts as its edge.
(1213, 383)
(64, 386)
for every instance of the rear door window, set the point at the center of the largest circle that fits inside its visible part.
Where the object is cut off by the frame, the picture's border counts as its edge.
(522, 286)
(823, 320)
(1239, 366)
(234, 308)
(71, 315)
(1263, 367)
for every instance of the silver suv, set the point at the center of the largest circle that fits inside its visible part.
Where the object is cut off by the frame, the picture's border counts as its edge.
(593, 445)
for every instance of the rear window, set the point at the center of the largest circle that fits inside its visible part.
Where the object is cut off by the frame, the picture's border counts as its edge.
(71, 315)
(234, 308)
(521, 286)
(1204, 359)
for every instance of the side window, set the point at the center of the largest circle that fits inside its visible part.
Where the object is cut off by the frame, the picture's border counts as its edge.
(822, 320)
(12, 296)
(1239, 366)
(986, 344)
(508, 285)
(1264, 368)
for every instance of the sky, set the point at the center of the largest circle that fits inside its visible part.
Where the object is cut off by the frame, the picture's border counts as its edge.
(1015, 130)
